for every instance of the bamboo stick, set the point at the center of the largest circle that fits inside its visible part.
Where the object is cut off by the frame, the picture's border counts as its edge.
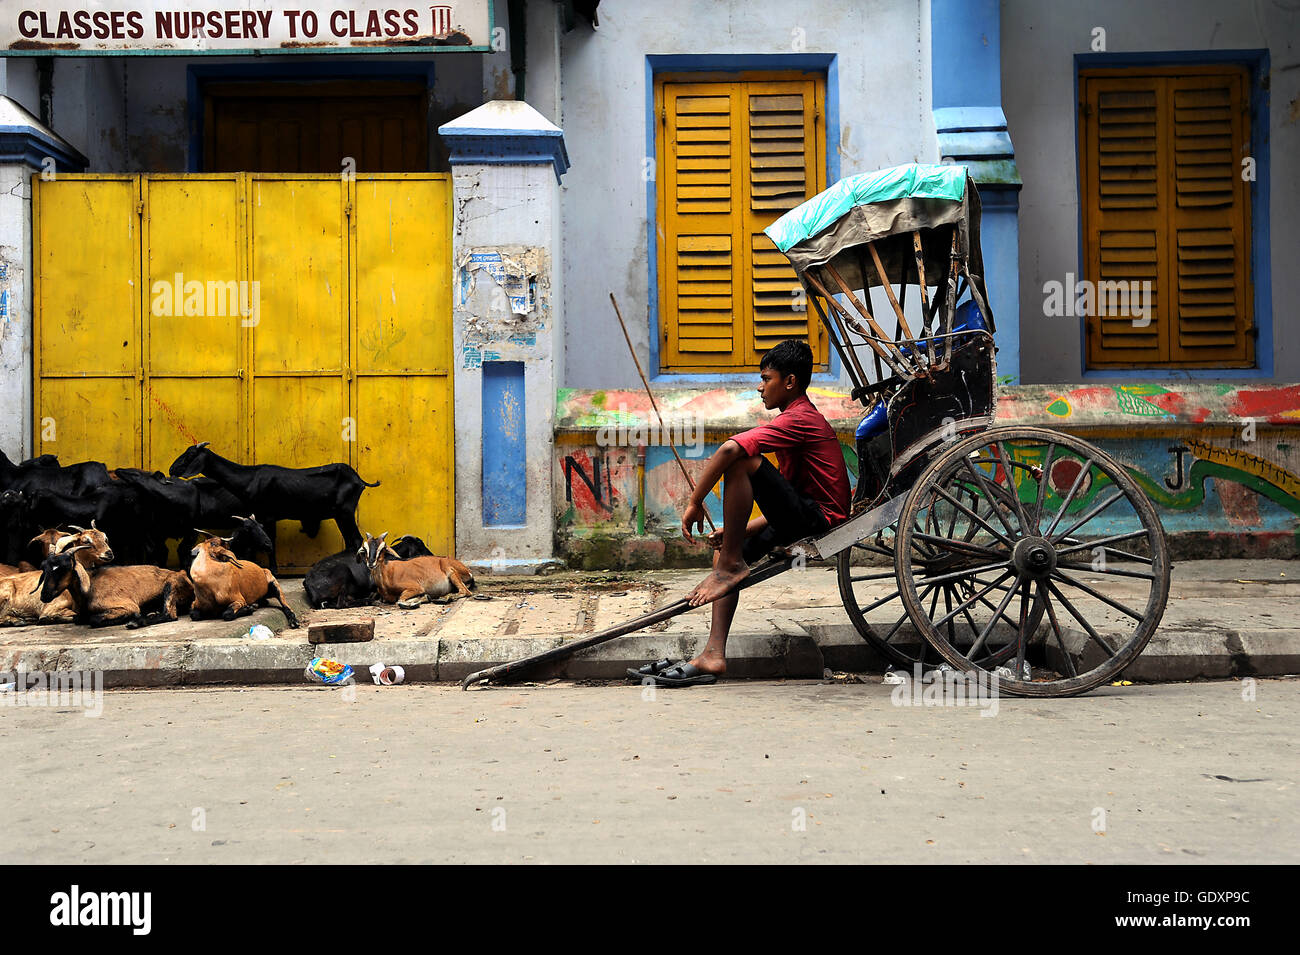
(650, 394)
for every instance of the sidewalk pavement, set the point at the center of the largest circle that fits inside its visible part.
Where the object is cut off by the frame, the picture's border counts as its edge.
(1224, 618)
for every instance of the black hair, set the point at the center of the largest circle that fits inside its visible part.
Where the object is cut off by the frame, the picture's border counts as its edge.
(790, 357)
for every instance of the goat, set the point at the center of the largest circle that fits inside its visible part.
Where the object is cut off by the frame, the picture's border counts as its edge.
(340, 580)
(169, 508)
(116, 508)
(19, 603)
(46, 540)
(309, 495)
(45, 472)
(226, 585)
(409, 583)
(113, 595)
(248, 539)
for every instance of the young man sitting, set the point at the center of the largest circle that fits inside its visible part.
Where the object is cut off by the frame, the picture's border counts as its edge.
(805, 497)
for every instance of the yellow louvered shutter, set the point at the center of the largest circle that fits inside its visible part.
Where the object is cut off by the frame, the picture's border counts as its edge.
(733, 157)
(1209, 216)
(1164, 203)
(1125, 176)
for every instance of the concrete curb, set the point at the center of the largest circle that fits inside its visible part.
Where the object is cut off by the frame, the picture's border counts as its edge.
(791, 651)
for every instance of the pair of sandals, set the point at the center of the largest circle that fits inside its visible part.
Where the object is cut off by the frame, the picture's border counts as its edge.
(671, 673)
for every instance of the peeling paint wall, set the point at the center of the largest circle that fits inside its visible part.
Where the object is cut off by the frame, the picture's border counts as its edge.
(15, 312)
(503, 300)
(504, 237)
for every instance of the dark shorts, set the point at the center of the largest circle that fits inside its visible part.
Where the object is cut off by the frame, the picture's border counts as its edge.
(791, 515)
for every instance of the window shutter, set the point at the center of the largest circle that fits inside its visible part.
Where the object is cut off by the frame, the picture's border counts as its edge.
(1164, 203)
(703, 203)
(781, 145)
(734, 157)
(1124, 175)
(1209, 221)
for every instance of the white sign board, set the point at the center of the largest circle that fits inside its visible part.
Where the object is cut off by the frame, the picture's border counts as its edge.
(178, 27)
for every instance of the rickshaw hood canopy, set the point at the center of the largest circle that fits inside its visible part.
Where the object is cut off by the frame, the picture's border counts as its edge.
(910, 181)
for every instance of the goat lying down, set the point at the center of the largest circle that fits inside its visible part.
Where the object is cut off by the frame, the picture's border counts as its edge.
(113, 595)
(409, 583)
(340, 580)
(230, 587)
(20, 602)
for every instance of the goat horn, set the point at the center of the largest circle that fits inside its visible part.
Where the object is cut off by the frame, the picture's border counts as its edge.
(202, 445)
(39, 582)
(80, 530)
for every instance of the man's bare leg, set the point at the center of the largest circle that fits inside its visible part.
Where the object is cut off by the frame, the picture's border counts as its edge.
(713, 658)
(729, 567)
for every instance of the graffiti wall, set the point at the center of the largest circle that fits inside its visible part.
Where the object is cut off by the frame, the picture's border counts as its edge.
(1220, 463)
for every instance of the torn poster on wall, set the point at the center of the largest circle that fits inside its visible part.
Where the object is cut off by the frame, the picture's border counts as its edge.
(514, 276)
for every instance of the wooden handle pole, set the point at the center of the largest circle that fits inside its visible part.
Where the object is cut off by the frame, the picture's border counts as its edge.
(650, 394)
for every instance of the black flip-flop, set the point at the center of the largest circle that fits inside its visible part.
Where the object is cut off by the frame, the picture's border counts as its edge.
(650, 669)
(684, 674)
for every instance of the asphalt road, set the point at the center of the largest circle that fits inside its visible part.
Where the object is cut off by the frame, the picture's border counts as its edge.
(741, 772)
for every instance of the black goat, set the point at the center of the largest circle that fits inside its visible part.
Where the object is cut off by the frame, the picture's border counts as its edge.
(16, 527)
(44, 473)
(341, 580)
(170, 508)
(248, 539)
(115, 507)
(309, 495)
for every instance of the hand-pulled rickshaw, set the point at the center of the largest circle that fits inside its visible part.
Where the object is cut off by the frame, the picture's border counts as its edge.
(1018, 551)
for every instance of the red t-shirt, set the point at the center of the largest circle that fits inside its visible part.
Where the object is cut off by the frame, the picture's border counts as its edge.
(808, 455)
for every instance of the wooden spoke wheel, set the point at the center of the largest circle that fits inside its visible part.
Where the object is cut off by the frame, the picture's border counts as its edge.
(1057, 569)
(869, 586)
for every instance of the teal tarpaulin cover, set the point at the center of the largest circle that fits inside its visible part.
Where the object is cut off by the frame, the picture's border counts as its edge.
(912, 181)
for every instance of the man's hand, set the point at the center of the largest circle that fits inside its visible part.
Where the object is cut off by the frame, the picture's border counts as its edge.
(714, 539)
(693, 516)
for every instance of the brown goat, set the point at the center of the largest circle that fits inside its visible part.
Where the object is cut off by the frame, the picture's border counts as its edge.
(231, 587)
(409, 583)
(19, 601)
(54, 539)
(112, 595)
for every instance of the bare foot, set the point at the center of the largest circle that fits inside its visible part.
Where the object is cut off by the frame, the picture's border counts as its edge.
(723, 579)
(710, 663)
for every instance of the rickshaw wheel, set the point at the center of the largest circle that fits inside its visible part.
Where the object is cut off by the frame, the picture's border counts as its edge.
(874, 589)
(1047, 510)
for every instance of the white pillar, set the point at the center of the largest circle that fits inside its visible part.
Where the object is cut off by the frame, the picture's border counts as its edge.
(508, 339)
(26, 147)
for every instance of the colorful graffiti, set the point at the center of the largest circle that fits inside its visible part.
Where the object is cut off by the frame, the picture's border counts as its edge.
(1193, 448)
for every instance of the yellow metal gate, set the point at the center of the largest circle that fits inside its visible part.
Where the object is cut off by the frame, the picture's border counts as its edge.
(285, 319)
